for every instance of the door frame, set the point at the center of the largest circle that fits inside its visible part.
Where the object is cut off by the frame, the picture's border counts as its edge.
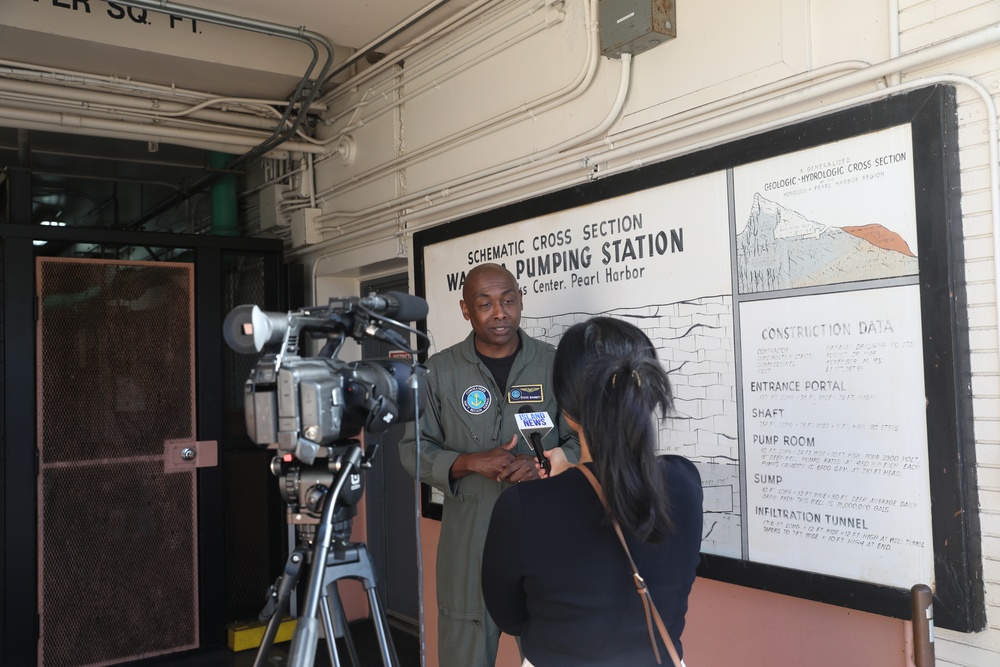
(18, 539)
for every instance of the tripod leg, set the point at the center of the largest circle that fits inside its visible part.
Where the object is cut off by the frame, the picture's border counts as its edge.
(331, 634)
(335, 619)
(279, 605)
(389, 657)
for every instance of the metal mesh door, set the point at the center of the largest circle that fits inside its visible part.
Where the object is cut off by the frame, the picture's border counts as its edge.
(117, 532)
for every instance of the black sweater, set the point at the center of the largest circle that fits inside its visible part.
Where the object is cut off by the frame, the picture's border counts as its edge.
(559, 578)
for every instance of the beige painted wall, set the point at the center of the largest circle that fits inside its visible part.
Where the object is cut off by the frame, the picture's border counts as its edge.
(439, 142)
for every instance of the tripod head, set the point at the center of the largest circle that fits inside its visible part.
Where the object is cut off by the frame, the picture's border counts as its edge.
(306, 488)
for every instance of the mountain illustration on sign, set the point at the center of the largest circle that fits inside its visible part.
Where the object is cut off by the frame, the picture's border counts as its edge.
(782, 249)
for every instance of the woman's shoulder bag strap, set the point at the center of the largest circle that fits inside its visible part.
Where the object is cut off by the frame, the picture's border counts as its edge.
(640, 584)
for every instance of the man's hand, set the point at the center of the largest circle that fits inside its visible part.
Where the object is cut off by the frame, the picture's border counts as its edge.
(521, 468)
(490, 464)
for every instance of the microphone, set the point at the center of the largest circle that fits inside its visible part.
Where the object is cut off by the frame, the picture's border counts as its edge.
(533, 425)
(399, 305)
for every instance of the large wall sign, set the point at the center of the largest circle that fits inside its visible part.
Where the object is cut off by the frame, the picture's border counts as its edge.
(804, 288)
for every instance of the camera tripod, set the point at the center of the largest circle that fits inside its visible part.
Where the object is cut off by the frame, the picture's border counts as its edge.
(332, 558)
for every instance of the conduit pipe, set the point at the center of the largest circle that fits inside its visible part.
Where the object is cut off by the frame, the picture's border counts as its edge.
(303, 96)
(895, 48)
(202, 144)
(553, 100)
(600, 129)
(64, 78)
(380, 40)
(451, 141)
(274, 179)
(783, 84)
(940, 51)
(676, 119)
(437, 57)
(48, 94)
(402, 53)
(28, 103)
(291, 200)
(435, 83)
(926, 56)
(52, 121)
(32, 71)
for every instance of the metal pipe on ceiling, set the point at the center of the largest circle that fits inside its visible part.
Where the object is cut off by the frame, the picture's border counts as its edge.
(85, 156)
(303, 96)
(21, 71)
(453, 22)
(54, 121)
(84, 100)
(371, 46)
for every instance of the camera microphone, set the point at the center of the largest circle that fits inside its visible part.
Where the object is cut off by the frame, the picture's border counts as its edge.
(400, 305)
(534, 425)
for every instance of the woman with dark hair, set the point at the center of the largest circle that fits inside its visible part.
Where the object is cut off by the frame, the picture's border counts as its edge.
(554, 571)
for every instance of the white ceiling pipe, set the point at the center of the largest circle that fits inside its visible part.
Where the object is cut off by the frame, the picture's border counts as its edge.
(915, 60)
(697, 113)
(403, 53)
(430, 85)
(597, 131)
(551, 101)
(110, 134)
(15, 101)
(692, 115)
(306, 91)
(421, 59)
(555, 175)
(895, 48)
(47, 93)
(58, 122)
(660, 133)
(542, 168)
(381, 40)
(19, 68)
(111, 158)
(13, 69)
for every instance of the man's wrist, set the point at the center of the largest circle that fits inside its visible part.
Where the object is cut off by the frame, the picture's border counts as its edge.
(460, 467)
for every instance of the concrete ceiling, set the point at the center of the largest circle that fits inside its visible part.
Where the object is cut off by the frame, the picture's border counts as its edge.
(102, 38)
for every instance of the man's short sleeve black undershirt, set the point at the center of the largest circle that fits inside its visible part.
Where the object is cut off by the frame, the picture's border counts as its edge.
(500, 367)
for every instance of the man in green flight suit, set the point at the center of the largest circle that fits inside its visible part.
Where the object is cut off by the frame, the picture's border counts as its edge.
(470, 450)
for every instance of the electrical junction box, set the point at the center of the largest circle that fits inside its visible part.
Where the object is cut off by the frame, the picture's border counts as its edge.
(305, 227)
(634, 26)
(270, 216)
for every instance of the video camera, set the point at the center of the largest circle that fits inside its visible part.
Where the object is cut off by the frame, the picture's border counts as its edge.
(303, 405)
(311, 409)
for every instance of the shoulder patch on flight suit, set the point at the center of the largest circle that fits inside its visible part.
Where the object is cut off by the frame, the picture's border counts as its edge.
(476, 399)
